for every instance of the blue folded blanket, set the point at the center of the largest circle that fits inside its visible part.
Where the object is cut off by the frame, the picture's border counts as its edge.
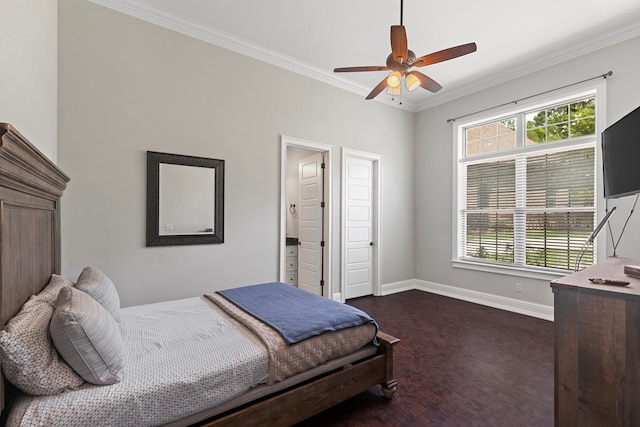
(295, 314)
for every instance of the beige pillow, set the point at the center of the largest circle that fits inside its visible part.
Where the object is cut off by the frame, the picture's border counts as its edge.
(50, 292)
(101, 288)
(29, 359)
(87, 337)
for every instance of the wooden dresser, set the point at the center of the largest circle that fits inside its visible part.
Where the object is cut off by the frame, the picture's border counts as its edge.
(597, 347)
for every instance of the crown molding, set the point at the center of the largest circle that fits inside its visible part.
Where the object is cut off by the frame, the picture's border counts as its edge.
(625, 33)
(154, 15)
(144, 11)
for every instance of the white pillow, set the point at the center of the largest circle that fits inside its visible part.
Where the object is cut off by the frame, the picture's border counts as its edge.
(29, 359)
(87, 337)
(101, 288)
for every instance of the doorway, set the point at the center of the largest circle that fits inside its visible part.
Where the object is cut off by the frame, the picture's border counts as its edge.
(305, 218)
(361, 201)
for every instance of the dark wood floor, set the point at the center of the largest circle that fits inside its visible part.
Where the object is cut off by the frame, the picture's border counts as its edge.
(457, 364)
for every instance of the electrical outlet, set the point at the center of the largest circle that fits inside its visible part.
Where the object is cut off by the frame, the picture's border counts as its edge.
(518, 287)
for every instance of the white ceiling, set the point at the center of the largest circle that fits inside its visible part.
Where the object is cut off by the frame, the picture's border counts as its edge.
(314, 37)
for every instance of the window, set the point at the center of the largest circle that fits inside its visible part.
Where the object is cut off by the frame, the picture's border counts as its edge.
(527, 185)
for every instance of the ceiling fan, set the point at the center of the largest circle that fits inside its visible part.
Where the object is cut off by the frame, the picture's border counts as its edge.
(401, 60)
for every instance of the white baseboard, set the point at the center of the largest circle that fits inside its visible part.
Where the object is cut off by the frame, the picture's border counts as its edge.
(539, 311)
(393, 288)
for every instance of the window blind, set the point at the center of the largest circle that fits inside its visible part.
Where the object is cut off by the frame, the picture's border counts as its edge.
(534, 209)
(560, 206)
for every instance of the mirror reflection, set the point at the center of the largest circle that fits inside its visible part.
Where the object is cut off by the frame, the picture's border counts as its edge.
(187, 203)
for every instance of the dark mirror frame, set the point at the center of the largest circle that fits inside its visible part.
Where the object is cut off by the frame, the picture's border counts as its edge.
(154, 159)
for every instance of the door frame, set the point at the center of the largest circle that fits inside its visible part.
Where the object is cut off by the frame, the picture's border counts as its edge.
(289, 141)
(376, 159)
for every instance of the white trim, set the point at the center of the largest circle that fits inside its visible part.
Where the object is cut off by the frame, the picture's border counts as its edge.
(503, 303)
(575, 144)
(154, 14)
(289, 141)
(513, 305)
(376, 159)
(601, 203)
(557, 96)
(587, 88)
(402, 286)
(540, 63)
(158, 16)
(510, 270)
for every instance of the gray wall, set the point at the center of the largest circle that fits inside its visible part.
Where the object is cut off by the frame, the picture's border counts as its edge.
(29, 69)
(434, 160)
(127, 86)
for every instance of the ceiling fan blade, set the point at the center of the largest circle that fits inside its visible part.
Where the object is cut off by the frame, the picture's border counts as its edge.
(426, 82)
(445, 55)
(357, 69)
(376, 90)
(399, 48)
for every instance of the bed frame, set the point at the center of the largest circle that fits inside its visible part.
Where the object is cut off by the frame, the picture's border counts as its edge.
(30, 190)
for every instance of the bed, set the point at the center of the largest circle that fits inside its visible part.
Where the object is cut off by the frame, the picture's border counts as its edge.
(31, 187)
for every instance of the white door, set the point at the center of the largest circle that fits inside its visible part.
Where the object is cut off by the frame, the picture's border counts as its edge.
(359, 227)
(310, 224)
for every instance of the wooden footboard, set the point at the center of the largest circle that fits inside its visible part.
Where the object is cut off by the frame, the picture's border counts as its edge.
(301, 402)
(387, 342)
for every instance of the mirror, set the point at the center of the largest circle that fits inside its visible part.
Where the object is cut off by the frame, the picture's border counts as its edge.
(185, 197)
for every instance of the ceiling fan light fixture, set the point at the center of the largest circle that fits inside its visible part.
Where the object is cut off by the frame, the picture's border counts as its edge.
(394, 90)
(412, 82)
(394, 79)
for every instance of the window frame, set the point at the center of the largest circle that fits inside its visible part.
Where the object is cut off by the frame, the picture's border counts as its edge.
(518, 109)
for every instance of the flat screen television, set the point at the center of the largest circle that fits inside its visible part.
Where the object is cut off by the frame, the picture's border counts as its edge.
(621, 156)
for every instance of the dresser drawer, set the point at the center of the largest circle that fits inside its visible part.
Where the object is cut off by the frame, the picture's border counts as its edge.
(292, 279)
(292, 264)
(291, 251)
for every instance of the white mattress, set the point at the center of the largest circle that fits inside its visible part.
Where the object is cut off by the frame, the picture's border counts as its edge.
(182, 357)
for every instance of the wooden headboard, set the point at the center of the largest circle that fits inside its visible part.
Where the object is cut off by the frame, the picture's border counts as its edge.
(30, 189)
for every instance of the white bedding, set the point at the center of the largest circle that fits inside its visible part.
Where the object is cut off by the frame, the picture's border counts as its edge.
(182, 357)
